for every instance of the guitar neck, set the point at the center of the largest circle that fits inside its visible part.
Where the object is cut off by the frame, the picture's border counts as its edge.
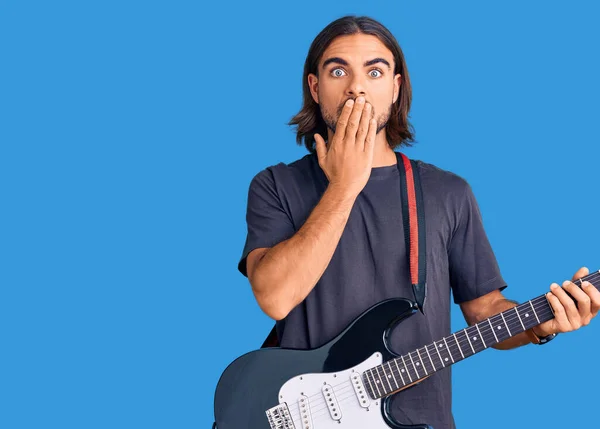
(395, 374)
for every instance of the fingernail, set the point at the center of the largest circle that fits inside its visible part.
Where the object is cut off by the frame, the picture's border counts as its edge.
(360, 100)
(586, 284)
(553, 286)
(349, 102)
(566, 282)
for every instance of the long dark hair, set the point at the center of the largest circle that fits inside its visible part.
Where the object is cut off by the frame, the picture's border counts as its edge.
(308, 121)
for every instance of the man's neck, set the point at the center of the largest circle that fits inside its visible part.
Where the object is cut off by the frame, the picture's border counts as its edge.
(384, 155)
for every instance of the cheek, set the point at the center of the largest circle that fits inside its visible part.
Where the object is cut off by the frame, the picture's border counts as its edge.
(330, 102)
(382, 99)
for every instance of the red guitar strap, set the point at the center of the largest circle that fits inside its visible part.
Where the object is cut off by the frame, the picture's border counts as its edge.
(413, 215)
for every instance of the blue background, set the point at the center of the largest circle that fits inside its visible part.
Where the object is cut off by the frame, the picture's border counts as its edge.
(130, 132)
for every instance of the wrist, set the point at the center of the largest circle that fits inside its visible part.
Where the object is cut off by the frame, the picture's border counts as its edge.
(538, 338)
(341, 192)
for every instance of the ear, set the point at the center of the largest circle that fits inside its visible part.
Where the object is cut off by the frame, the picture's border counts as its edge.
(397, 83)
(313, 85)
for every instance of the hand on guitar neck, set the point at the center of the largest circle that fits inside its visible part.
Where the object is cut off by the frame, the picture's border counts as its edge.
(574, 304)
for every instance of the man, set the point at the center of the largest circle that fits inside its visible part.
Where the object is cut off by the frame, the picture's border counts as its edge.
(325, 234)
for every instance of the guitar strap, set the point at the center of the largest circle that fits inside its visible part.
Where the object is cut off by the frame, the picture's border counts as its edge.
(413, 216)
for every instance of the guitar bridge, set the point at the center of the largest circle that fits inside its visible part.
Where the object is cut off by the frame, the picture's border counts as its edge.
(279, 417)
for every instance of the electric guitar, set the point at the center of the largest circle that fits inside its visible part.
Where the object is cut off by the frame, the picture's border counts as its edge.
(348, 382)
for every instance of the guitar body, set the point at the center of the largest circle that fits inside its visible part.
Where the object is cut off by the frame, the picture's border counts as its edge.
(295, 380)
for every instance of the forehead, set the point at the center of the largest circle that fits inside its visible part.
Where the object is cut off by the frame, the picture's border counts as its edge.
(357, 47)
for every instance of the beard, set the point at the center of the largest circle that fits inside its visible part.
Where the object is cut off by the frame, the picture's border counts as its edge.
(331, 119)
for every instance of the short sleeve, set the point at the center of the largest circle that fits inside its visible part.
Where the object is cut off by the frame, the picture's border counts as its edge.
(268, 222)
(474, 271)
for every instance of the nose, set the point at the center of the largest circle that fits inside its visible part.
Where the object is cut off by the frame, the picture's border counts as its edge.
(356, 87)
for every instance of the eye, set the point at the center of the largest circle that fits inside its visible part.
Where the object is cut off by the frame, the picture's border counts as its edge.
(375, 73)
(338, 72)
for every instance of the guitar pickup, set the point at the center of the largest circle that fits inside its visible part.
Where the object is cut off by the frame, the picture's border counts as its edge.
(359, 389)
(332, 403)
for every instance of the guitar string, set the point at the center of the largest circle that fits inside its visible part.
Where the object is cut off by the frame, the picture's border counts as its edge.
(342, 394)
(316, 412)
(510, 319)
(340, 388)
(453, 347)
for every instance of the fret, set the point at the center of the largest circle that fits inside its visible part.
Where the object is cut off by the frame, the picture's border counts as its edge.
(465, 341)
(520, 320)
(527, 319)
(541, 304)
(449, 352)
(469, 340)
(536, 316)
(487, 332)
(423, 364)
(481, 335)
(393, 376)
(430, 360)
(474, 339)
(371, 385)
(407, 371)
(376, 382)
(387, 377)
(505, 324)
(400, 372)
(458, 344)
(384, 378)
(414, 366)
(437, 347)
(493, 331)
(498, 329)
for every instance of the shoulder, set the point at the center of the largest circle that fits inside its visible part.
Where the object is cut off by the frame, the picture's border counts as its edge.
(438, 180)
(286, 174)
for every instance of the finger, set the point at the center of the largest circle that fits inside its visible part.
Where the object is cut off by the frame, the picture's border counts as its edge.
(583, 301)
(560, 316)
(568, 305)
(342, 123)
(363, 127)
(370, 140)
(354, 120)
(582, 272)
(321, 148)
(594, 295)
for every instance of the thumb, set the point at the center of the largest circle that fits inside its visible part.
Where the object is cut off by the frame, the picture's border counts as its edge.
(320, 146)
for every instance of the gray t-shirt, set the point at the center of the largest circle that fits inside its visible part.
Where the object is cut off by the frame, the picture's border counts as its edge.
(370, 263)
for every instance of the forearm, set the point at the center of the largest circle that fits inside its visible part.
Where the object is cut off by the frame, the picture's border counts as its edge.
(289, 271)
(518, 340)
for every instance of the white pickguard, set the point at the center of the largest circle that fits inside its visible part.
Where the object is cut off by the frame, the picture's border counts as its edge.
(311, 386)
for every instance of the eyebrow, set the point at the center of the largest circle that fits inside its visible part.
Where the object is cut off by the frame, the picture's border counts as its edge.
(338, 60)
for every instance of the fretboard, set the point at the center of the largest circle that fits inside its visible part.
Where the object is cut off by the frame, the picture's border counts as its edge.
(397, 373)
